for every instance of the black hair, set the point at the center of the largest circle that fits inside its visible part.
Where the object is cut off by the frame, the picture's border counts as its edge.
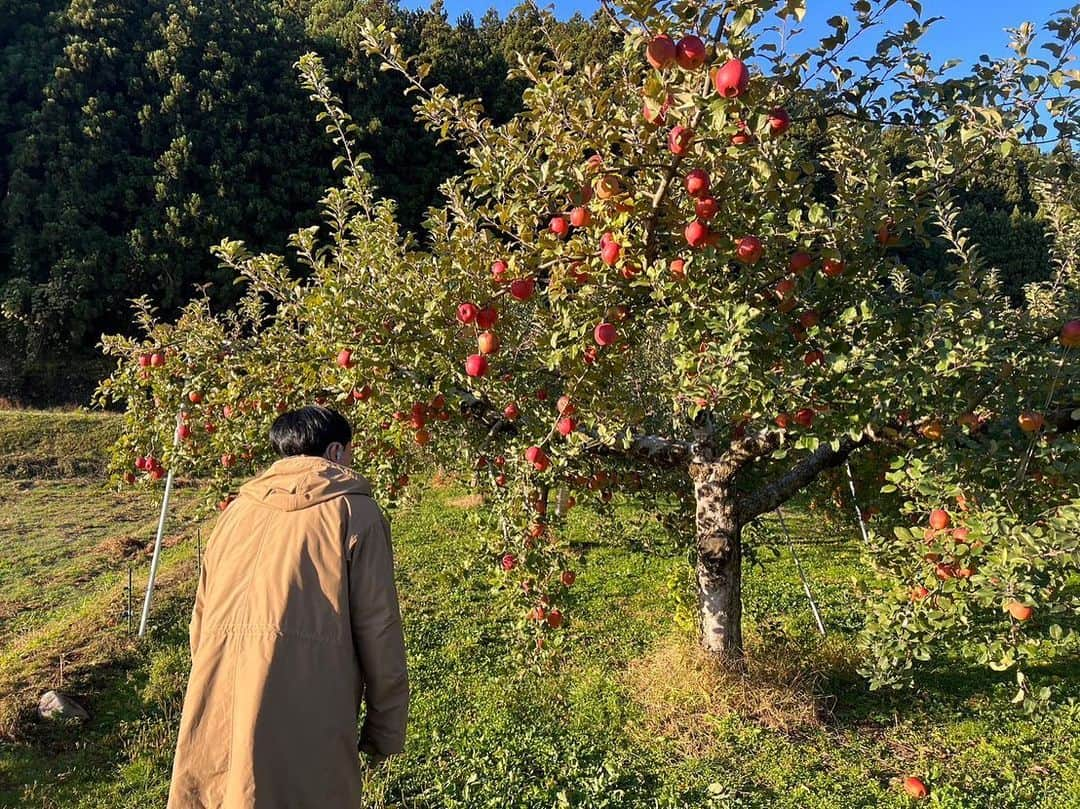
(308, 431)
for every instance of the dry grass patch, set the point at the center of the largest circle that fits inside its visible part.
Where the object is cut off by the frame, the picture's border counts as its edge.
(684, 693)
(466, 501)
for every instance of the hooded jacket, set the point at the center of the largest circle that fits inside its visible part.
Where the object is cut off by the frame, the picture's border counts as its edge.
(296, 624)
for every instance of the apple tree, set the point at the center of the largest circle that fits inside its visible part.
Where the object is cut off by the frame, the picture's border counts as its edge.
(680, 272)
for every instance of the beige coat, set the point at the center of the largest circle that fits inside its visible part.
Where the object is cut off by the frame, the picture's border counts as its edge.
(296, 621)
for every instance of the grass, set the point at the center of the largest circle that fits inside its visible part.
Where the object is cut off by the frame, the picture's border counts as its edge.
(629, 715)
(37, 444)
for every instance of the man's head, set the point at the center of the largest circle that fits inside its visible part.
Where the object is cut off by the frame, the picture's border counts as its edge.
(316, 431)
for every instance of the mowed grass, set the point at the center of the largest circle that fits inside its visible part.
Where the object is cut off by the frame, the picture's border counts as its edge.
(626, 716)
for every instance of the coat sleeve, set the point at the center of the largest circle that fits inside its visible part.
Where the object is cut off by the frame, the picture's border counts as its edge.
(376, 631)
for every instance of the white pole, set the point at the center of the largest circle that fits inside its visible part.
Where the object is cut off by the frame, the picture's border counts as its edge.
(802, 575)
(855, 500)
(160, 534)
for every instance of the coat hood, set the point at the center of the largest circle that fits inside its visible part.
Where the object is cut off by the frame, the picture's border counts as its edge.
(301, 481)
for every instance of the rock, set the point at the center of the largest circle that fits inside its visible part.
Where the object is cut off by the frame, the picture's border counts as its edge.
(55, 705)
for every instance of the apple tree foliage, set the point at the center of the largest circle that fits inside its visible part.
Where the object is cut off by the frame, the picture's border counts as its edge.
(676, 274)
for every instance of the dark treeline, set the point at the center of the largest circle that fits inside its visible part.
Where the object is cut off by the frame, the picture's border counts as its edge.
(134, 134)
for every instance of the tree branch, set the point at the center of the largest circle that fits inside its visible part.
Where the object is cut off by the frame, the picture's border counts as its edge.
(774, 494)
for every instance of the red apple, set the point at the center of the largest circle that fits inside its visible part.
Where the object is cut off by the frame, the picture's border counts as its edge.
(742, 136)
(813, 357)
(210, 427)
(785, 287)
(554, 619)
(696, 233)
(565, 426)
(565, 406)
(779, 121)
(609, 186)
(832, 267)
(422, 437)
(511, 412)
(610, 252)
(558, 226)
(228, 459)
(183, 432)
(1031, 422)
(660, 52)
(804, 417)
(800, 262)
(568, 576)
(418, 416)
(537, 458)
(500, 480)
(809, 319)
(362, 394)
(655, 117)
(157, 359)
(1019, 611)
(579, 217)
(487, 317)
(129, 478)
(679, 139)
(476, 365)
(509, 561)
(783, 421)
(690, 53)
(498, 271)
(915, 787)
(344, 358)
(1070, 334)
(604, 334)
(466, 312)
(487, 342)
(705, 208)
(939, 519)
(678, 268)
(144, 360)
(697, 183)
(749, 250)
(732, 79)
(522, 288)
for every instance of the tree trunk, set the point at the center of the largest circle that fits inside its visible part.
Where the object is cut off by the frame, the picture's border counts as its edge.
(719, 567)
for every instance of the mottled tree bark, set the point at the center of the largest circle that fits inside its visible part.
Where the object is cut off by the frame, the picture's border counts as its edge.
(719, 563)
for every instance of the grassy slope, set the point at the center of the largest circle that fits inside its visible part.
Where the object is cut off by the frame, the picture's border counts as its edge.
(46, 444)
(485, 733)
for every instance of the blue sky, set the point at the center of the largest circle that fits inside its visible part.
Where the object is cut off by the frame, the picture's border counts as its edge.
(970, 27)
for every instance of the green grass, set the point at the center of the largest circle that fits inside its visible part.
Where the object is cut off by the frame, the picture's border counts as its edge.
(487, 732)
(38, 444)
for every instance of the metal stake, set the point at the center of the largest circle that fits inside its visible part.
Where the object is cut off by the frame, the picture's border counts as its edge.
(157, 542)
(131, 600)
(802, 575)
(855, 500)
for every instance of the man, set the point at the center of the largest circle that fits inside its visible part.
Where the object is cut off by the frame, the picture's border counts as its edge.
(296, 621)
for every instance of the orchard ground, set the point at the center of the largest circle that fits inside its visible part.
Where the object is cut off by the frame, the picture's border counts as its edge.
(628, 716)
